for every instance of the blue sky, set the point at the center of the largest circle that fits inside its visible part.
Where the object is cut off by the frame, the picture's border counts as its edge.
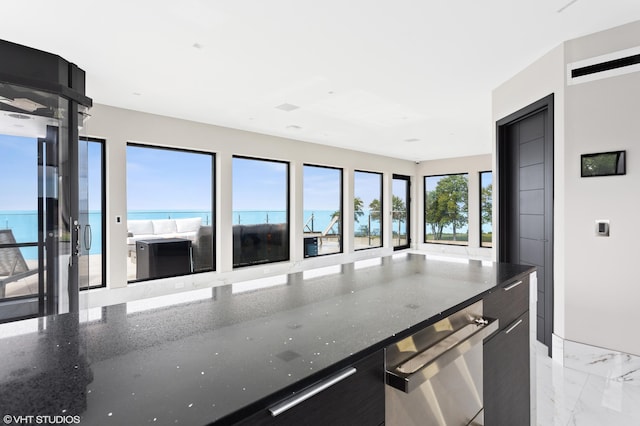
(399, 189)
(367, 186)
(259, 185)
(322, 188)
(486, 179)
(18, 173)
(163, 179)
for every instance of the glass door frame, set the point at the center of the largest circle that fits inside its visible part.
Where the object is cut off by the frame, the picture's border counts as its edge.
(86, 232)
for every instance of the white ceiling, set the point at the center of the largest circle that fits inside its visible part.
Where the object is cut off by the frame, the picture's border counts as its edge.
(405, 78)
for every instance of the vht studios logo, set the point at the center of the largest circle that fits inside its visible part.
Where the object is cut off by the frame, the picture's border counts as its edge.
(40, 420)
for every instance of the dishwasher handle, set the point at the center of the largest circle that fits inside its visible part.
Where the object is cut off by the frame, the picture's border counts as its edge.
(411, 373)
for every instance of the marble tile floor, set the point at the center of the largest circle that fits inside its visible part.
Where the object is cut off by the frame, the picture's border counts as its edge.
(594, 389)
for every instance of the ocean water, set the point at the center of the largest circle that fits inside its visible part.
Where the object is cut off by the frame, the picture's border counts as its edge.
(24, 224)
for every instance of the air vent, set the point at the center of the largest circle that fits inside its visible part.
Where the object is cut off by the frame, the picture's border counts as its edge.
(19, 116)
(605, 66)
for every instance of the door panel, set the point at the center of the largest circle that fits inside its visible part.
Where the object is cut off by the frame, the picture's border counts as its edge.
(532, 128)
(532, 202)
(525, 218)
(532, 226)
(531, 251)
(532, 152)
(532, 177)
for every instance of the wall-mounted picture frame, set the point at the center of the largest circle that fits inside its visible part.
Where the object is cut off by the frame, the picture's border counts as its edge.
(603, 164)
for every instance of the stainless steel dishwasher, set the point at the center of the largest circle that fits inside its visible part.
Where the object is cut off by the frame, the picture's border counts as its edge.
(434, 377)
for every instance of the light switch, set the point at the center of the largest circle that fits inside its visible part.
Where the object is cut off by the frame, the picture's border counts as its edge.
(602, 228)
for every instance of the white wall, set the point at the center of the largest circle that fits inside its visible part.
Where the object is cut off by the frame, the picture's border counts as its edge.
(119, 126)
(596, 289)
(602, 286)
(472, 165)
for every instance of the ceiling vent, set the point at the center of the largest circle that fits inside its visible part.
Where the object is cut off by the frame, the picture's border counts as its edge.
(605, 66)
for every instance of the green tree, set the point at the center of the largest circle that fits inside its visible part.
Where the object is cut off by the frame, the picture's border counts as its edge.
(399, 210)
(486, 203)
(435, 214)
(447, 205)
(357, 209)
(375, 210)
(398, 213)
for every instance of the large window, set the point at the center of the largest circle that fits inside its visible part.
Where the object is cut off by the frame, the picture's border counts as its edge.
(486, 209)
(170, 214)
(446, 209)
(367, 210)
(322, 210)
(260, 211)
(400, 211)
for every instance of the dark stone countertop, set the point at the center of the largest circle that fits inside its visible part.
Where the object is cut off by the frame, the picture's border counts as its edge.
(227, 351)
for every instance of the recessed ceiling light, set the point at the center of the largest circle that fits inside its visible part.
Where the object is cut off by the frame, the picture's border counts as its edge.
(287, 107)
(137, 94)
(412, 140)
(198, 46)
(294, 127)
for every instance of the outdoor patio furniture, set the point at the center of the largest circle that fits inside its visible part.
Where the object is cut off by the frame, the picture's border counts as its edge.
(13, 267)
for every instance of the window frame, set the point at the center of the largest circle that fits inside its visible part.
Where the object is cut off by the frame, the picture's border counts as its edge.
(341, 221)
(103, 207)
(408, 207)
(381, 174)
(288, 203)
(480, 209)
(214, 212)
(424, 180)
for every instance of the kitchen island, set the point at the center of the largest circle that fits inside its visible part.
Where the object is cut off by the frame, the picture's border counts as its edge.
(231, 351)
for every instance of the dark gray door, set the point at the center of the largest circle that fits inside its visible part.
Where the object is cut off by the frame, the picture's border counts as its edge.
(525, 218)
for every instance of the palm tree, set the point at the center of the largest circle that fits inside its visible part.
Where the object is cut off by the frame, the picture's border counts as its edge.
(357, 209)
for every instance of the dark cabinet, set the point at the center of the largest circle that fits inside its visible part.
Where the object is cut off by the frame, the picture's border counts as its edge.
(506, 376)
(507, 357)
(355, 400)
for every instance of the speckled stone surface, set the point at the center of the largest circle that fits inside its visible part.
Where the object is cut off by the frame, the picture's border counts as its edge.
(199, 361)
